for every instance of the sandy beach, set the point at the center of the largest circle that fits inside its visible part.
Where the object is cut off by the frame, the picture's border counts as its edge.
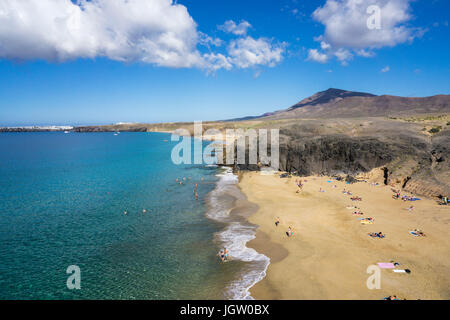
(330, 250)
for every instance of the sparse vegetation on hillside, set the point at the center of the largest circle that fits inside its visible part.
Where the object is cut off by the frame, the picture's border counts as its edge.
(435, 129)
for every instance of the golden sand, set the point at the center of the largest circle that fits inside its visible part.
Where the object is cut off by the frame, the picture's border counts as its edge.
(329, 253)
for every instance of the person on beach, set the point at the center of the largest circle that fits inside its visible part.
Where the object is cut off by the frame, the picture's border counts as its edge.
(277, 222)
(289, 232)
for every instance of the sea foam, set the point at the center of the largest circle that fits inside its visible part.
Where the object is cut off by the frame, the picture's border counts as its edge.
(235, 235)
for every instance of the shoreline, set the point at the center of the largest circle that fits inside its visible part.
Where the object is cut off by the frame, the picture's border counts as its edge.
(228, 205)
(330, 251)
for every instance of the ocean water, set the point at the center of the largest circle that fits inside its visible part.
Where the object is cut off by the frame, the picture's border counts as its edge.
(62, 203)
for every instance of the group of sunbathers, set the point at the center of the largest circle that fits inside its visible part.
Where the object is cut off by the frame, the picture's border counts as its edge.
(398, 195)
(377, 235)
(418, 233)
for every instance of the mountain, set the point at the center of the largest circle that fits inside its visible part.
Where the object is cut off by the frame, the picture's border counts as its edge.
(329, 96)
(336, 103)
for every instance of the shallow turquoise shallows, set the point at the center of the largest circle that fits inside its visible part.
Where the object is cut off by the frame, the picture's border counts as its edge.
(62, 203)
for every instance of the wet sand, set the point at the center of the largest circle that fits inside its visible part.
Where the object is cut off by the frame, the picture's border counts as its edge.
(330, 251)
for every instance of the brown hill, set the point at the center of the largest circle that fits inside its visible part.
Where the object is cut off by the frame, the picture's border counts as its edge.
(336, 103)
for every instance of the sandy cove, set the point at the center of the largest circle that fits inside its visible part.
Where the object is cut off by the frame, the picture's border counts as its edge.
(330, 250)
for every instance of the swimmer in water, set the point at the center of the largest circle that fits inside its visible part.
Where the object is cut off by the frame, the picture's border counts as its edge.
(125, 212)
(222, 255)
(144, 211)
(196, 196)
(225, 253)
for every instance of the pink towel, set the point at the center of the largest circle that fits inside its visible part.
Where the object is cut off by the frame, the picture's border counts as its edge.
(386, 265)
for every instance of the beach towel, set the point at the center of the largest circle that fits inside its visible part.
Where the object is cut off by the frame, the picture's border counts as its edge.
(366, 222)
(386, 265)
(414, 233)
(414, 199)
(402, 271)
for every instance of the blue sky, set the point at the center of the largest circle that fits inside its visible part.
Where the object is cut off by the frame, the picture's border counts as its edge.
(209, 60)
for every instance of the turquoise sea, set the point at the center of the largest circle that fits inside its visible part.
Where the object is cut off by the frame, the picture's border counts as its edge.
(62, 203)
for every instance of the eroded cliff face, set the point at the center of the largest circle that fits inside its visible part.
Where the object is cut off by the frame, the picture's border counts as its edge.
(335, 155)
(407, 162)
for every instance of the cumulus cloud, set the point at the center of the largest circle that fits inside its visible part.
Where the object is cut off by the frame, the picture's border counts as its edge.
(158, 32)
(315, 55)
(385, 69)
(347, 27)
(238, 29)
(249, 52)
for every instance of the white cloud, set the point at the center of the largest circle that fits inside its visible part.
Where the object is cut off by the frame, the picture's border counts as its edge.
(385, 69)
(156, 32)
(248, 52)
(238, 29)
(365, 53)
(346, 26)
(206, 40)
(324, 45)
(315, 55)
(343, 55)
(217, 61)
